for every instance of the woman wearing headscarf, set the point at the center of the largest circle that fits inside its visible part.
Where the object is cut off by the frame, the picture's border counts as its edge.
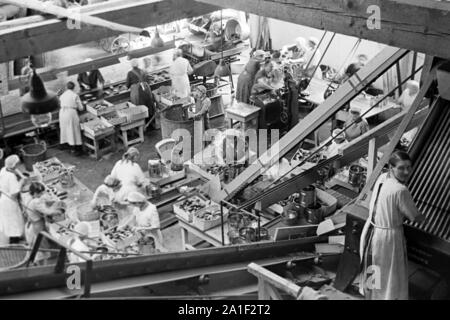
(383, 245)
(129, 173)
(11, 219)
(38, 212)
(179, 74)
(106, 193)
(247, 77)
(69, 121)
(145, 218)
(202, 105)
(409, 94)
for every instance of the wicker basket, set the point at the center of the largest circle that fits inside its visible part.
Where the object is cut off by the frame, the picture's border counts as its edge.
(13, 256)
(134, 113)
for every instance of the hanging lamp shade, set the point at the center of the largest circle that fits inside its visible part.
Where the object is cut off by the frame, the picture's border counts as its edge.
(39, 101)
(222, 70)
(157, 41)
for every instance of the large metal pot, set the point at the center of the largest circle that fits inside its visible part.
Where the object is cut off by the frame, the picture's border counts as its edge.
(314, 214)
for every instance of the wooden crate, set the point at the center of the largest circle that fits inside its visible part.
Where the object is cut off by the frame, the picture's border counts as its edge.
(113, 118)
(89, 127)
(91, 109)
(204, 225)
(48, 176)
(134, 114)
(184, 214)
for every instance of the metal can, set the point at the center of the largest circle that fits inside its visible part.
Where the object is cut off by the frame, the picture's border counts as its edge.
(314, 214)
(308, 196)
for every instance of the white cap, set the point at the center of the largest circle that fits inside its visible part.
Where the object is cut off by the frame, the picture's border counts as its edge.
(355, 109)
(300, 42)
(136, 197)
(82, 228)
(12, 161)
(259, 53)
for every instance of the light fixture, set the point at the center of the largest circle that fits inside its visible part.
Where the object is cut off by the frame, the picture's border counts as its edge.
(222, 70)
(157, 41)
(39, 103)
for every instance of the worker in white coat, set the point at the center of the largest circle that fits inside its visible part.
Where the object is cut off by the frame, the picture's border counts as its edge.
(69, 121)
(313, 57)
(145, 218)
(383, 245)
(106, 193)
(11, 219)
(179, 74)
(129, 173)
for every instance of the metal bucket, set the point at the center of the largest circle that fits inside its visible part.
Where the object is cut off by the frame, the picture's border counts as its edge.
(33, 153)
(308, 196)
(355, 175)
(314, 214)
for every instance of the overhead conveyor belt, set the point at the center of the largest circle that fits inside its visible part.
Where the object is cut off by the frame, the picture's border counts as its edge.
(343, 95)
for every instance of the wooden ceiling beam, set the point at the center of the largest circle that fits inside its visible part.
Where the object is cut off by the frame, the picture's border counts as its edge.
(418, 25)
(52, 34)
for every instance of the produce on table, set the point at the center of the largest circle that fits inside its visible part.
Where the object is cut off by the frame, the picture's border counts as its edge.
(209, 215)
(192, 205)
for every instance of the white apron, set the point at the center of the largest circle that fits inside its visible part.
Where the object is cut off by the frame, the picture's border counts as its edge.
(180, 79)
(69, 123)
(385, 249)
(11, 218)
(130, 175)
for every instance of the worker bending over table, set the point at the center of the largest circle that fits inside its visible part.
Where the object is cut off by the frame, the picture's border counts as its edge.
(144, 219)
(129, 173)
(357, 126)
(105, 194)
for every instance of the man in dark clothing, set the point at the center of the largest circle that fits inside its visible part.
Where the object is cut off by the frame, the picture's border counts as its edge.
(140, 91)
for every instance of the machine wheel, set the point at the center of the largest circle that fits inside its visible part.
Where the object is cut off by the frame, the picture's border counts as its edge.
(106, 43)
(120, 45)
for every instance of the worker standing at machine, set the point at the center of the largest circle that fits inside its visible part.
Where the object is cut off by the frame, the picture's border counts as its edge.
(69, 121)
(247, 77)
(179, 74)
(357, 126)
(383, 242)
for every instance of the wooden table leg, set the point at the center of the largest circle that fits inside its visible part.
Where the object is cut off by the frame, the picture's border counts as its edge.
(184, 238)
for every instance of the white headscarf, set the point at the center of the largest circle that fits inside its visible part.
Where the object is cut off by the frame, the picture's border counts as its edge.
(136, 197)
(301, 43)
(12, 161)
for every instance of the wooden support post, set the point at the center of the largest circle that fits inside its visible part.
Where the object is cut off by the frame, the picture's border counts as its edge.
(372, 155)
(398, 134)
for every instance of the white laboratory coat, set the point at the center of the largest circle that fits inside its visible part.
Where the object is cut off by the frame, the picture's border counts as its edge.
(179, 75)
(69, 122)
(11, 218)
(130, 175)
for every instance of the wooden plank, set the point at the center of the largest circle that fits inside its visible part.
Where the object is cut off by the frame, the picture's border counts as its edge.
(343, 95)
(421, 26)
(273, 279)
(372, 156)
(53, 34)
(74, 15)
